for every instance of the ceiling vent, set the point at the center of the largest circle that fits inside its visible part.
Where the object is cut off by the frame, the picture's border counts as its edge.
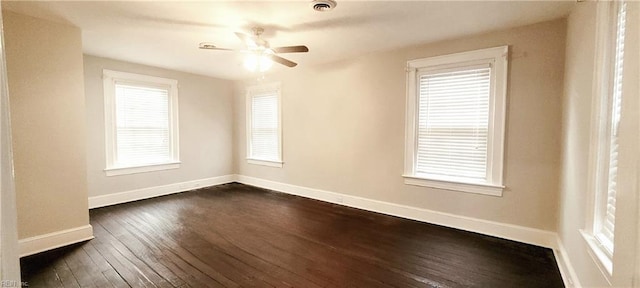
(323, 5)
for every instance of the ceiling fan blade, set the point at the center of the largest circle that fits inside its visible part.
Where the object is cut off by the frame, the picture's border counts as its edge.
(210, 46)
(247, 40)
(291, 49)
(281, 60)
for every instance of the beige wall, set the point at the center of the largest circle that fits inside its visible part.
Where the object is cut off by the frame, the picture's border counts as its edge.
(343, 128)
(46, 89)
(628, 192)
(576, 133)
(576, 124)
(205, 123)
(9, 250)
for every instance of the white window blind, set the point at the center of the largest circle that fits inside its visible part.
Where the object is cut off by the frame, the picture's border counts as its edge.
(142, 125)
(453, 122)
(607, 222)
(265, 127)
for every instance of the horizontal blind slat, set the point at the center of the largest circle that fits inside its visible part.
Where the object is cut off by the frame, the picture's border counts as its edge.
(453, 120)
(608, 221)
(142, 125)
(264, 127)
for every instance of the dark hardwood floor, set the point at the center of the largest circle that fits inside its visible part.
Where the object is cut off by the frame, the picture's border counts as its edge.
(241, 236)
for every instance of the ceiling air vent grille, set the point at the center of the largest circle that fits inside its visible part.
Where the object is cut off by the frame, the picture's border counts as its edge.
(323, 5)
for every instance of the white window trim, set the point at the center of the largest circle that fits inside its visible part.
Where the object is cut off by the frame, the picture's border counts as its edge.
(265, 163)
(110, 78)
(606, 19)
(141, 169)
(251, 91)
(498, 58)
(477, 188)
(597, 252)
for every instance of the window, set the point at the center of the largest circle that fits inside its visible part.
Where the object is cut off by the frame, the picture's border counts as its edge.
(141, 123)
(608, 106)
(264, 133)
(455, 121)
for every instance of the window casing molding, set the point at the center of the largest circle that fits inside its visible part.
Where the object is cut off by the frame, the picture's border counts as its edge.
(110, 80)
(497, 58)
(257, 90)
(601, 136)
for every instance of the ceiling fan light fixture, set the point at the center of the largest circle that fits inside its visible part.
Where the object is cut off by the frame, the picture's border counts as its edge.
(323, 5)
(257, 62)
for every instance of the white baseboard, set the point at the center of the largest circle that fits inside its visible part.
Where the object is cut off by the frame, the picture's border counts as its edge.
(523, 234)
(569, 275)
(41, 243)
(150, 192)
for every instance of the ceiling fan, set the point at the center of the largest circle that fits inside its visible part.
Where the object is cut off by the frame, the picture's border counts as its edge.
(259, 50)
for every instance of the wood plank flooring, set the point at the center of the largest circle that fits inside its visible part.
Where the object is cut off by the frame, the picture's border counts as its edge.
(240, 236)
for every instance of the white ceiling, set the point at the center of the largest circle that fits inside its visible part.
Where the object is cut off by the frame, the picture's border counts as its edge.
(166, 34)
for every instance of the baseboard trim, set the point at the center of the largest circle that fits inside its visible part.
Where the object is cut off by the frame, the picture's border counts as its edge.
(523, 234)
(569, 275)
(150, 192)
(41, 243)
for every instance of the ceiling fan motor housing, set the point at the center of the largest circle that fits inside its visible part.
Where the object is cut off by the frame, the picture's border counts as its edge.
(260, 50)
(323, 5)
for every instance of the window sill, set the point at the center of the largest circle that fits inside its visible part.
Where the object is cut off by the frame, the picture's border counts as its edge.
(277, 164)
(477, 188)
(596, 251)
(115, 171)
